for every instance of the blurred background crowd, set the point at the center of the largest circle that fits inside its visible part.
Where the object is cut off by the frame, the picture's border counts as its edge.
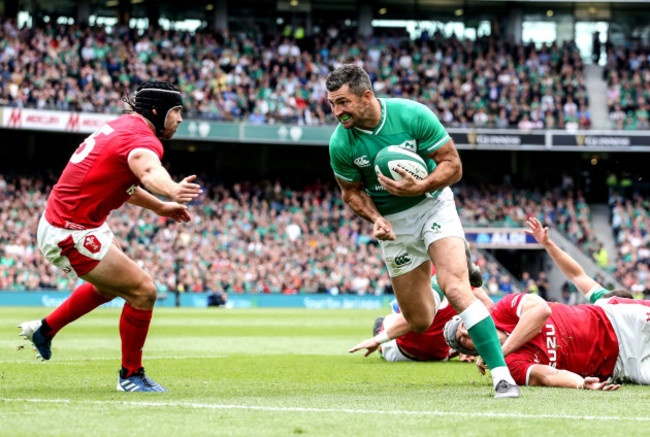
(265, 237)
(258, 78)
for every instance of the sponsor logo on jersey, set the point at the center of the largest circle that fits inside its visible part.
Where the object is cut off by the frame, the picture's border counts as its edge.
(92, 244)
(73, 226)
(551, 344)
(436, 228)
(362, 161)
(402, 260)
(514, 301)
(409, 145)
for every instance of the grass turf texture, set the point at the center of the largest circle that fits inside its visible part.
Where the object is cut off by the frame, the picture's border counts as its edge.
(274, 372)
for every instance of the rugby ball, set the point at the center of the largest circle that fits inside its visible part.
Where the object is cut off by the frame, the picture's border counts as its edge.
(389, 159)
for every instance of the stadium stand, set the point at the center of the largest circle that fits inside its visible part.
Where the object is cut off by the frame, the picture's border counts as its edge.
(628, 95)
(231, 77)
(265, 237)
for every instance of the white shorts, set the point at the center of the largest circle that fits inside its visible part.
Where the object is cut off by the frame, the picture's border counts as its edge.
(631, 323)
(391, 352)
(74, 252)
(416, 228)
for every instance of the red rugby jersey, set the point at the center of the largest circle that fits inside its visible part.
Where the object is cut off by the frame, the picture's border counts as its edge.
(97, 179)
(578, 338)
(429, 345)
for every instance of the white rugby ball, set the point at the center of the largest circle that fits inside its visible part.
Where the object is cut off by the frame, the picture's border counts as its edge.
(389, 159)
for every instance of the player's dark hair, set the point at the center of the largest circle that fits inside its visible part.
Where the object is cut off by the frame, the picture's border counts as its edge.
(619, 292)
(159, 95)
(353, 75)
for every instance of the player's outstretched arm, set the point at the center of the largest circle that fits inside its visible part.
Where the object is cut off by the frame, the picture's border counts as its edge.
(563, 260)
(542, 375)
(357, 199)
(395, 329)
(148, 168)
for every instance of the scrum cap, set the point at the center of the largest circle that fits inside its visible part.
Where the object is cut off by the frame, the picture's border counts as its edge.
(450, 330)
(159, 95)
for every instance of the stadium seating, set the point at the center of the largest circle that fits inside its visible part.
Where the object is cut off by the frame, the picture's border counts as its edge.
(232, 77)
(268, 238)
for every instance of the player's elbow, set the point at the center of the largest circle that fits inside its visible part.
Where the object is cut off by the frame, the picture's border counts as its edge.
(541, 381)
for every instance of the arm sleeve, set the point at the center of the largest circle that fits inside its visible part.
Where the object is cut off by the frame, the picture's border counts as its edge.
(341, 165)
(140, 142)
(596, 293)
(506, 311)
(430, 133)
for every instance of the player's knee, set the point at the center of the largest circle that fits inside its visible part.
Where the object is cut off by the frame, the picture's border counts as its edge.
(458, 295)
(146, 292)
(420, 324)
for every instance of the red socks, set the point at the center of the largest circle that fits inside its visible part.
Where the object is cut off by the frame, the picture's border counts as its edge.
(134, 326)
(83, 300)
(134, 323)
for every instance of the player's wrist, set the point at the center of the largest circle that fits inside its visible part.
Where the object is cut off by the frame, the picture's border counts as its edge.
(580, 385)
(382, 337)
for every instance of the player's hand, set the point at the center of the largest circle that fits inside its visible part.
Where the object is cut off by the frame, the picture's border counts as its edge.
(593, 383)
(408, 186)
(481, 366)
(382, 229)
(186, 191)
(539, 232)
(370, 344)
(175, 211)
(466, 358)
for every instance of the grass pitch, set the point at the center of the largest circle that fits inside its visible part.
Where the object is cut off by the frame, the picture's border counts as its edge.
(274, 372)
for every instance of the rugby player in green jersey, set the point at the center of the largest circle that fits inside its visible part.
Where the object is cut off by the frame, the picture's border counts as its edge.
(415, 220)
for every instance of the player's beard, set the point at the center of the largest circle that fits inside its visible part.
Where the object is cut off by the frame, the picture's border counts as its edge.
(360, 117)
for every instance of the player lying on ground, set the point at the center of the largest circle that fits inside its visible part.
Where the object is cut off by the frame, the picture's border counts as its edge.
(402, 344)
(569, 346)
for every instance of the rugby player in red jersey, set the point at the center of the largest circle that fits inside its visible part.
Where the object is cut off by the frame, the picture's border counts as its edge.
(581, 346)
(402, 344)
(103, 173)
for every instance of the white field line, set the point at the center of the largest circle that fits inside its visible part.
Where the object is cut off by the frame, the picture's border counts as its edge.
(33, 360)
(334, 410)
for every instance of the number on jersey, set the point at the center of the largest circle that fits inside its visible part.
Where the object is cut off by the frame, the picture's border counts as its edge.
(87, 146)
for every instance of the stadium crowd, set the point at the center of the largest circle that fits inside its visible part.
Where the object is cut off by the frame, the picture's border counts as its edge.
(628, 94)
(631, 225)
(268, 238)
(265, 79)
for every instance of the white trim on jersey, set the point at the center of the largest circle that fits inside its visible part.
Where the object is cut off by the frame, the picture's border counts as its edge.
(343, 177)
(128, 158)
(385, 116)
(442, 141)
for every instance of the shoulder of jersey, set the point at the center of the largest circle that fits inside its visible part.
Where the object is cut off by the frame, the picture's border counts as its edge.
(339, 134)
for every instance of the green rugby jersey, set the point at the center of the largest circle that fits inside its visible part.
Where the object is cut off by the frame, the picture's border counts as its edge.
(404, 123)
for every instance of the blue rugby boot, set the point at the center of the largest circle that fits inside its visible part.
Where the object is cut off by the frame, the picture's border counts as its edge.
(137, 382)
(42, 343)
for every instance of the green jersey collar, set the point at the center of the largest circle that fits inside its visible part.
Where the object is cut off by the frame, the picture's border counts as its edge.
(376, 130)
